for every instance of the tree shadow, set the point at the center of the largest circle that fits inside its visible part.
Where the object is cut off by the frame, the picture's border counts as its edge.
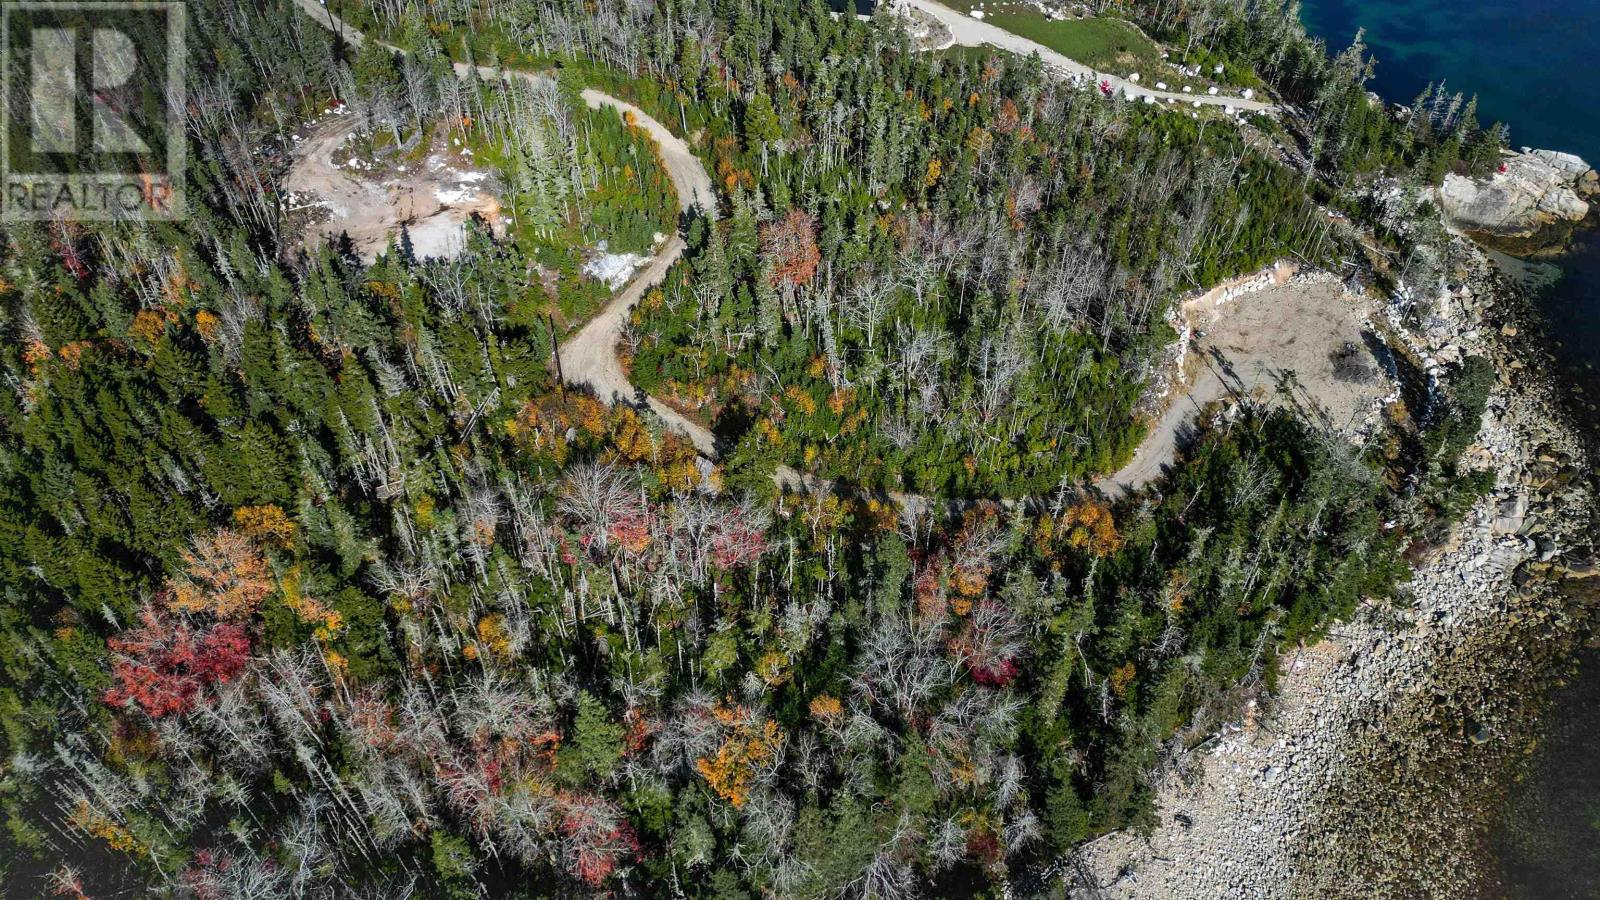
(732, 422)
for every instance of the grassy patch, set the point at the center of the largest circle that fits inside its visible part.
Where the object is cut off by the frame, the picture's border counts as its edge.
(1108, 44)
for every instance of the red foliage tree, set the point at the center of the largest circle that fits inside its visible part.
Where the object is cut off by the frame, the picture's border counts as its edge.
(990, 644)
(596, 837)
(166, 663)
(997, 674)
(737, 544)
(217, 875)
(790, 246)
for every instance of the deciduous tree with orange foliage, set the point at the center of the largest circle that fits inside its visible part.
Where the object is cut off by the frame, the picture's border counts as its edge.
(225, 574)
(790, 248)
(1089, 526)
(749, 744)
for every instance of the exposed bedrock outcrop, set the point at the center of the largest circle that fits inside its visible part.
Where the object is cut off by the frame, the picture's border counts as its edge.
(1530, 206)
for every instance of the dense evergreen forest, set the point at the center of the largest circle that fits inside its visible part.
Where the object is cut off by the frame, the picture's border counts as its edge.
(316, 582)
(1348, 132)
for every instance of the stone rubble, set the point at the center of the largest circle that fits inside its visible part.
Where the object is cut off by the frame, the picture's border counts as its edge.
(1369, 771)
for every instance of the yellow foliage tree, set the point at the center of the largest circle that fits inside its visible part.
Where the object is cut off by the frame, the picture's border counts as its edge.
(267, 524)
(826, 708)
(1089, 526)
(208, 325)
(979, 141)
(149, 325)
(631, 438)
(224, 574)
(748, 746)
(494, 637)
(679, 474)
(773, 667)
(116, 836)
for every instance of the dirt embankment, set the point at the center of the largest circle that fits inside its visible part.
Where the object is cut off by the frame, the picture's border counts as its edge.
(373, 201)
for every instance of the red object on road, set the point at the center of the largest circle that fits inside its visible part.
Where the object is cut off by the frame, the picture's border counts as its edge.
(1105, 88)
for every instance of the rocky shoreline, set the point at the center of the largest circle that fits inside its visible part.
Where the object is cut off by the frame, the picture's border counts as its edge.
(1530, 207)
(1375, 769)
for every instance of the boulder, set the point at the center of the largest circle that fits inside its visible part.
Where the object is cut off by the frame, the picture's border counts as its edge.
(1579, 571)
(1510, 515)
(1589, 184)
(1533, 202)
(1568, 164)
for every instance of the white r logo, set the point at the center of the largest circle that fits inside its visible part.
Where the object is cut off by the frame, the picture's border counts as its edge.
(55, 91)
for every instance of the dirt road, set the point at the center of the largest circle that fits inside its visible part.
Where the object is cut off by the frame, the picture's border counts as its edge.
(969, 32)
(590, 357)
(1160, 446)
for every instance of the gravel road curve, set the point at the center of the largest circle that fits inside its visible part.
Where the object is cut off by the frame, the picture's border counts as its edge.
(970, 32)
(589, 358)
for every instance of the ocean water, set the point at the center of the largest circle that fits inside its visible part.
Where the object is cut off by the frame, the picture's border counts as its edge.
(1532, 64)
(1547, 846)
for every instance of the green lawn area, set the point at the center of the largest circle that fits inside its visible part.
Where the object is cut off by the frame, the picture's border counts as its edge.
(1110, 45)
(1106, 44)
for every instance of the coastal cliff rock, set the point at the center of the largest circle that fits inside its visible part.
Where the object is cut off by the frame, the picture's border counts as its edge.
(1531, 205)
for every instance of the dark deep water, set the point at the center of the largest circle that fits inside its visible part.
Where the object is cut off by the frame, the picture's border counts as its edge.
(1531, 62)
(862, 7)
(1533, 65)
(1548, 844)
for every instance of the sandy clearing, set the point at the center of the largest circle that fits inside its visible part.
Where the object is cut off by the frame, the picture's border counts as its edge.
(969, 32)
(433, 203)
(1289, 332)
